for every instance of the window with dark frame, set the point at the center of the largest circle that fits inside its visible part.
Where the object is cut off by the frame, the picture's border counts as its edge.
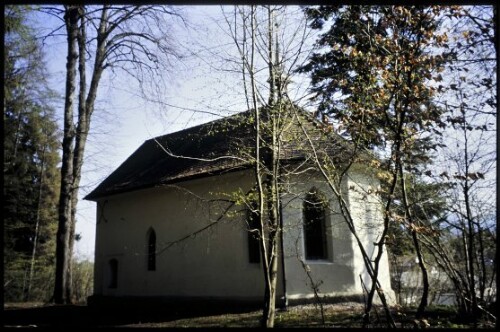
(113, 273)
(152, 250)
(314, 226)
(253, 235)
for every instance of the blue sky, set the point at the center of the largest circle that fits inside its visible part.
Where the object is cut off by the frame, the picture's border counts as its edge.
(122, 121)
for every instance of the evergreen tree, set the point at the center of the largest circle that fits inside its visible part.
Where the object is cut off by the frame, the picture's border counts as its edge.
(30, 164)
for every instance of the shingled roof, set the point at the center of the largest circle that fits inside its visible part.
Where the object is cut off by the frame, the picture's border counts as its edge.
(200, 151)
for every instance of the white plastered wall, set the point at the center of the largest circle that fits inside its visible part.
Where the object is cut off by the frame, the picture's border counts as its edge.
(339, 275)
(213, 263)
(366, 210)
(336, 272)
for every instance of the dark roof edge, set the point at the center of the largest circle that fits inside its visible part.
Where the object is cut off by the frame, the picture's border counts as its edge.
(230, 169)
(93, 196)
(90, 196)
(196, 127)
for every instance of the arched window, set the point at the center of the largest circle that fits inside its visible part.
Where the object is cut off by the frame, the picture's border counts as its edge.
(253, 234)
(151, 250)
(314, 226)
(113, 273)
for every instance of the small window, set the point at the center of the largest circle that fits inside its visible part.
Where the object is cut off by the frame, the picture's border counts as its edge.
(113, 273)
(253, 235)
(314, 226)
(151, 250)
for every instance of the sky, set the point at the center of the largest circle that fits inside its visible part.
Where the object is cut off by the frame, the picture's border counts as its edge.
(203, 81)
(122, 121)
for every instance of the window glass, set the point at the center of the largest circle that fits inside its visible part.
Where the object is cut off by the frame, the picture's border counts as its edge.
(152, 250)
(253, 235)
(113, 273)
(314, 226)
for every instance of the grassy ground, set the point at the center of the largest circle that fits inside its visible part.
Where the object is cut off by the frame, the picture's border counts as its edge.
(347, 315)
(300, 316)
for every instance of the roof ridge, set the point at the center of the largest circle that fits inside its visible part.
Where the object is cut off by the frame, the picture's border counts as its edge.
(197, 126)
(148, 166)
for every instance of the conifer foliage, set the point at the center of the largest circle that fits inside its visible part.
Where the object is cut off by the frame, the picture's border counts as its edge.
(30, 164)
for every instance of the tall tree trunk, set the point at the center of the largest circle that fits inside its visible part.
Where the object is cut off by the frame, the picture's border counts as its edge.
(63, 258)
(16, 139)
(271, 164)
(416, 245)
(37, 225)
(86, 101)
(482, 263)
(270, 159)
(75, 139)
(272, 79)
(373, 270)
(470, 229)
(259, 175)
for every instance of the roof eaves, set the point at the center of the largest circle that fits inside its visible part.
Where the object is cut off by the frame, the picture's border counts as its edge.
(167, 180)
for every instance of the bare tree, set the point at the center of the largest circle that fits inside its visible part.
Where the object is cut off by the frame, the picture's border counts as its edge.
(255, 32)
(277, 107)
(129, 38)
(465, 249)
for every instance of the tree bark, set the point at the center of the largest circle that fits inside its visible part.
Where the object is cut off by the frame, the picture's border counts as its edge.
(75, 139)
(63, 252)
(272, 85)
(270, 160)
(471, 231)
(259, 179)
(416, 245)
(86, 100)
(37, 226)
(271, 183)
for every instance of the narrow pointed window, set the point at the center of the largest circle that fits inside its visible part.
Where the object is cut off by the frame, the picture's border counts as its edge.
(253, 234)
(314, 226)
(113, 273)
(152, 250)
